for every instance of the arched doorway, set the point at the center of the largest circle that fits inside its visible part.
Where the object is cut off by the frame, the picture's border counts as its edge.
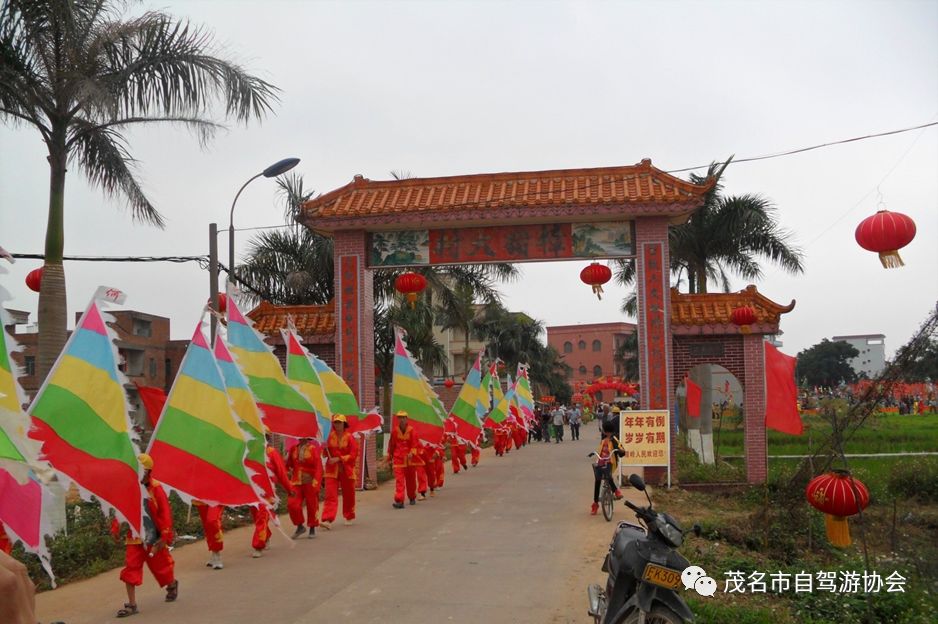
(720, 405)
(609, 212)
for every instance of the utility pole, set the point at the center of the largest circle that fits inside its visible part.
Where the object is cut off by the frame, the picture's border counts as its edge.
(213, 274)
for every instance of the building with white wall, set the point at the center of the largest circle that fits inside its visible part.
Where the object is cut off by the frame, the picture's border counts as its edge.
(872, 348)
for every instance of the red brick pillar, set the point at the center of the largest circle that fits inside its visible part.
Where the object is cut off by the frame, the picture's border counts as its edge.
(653, 284)
(355, 325)
(754, 405)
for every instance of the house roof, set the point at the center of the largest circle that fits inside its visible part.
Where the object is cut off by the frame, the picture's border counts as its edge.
(709, 313)
(624, 187)
(310, 320)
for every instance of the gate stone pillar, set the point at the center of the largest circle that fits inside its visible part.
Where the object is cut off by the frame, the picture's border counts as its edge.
(754, 405)
(355, 321)
(653, 282)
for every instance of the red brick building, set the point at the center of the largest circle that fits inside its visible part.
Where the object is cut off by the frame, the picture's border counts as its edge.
(589, 349)
(147, 355)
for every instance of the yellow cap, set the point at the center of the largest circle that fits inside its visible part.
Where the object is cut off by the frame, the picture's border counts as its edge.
(615, 409)
(146, 461)
(401, 414)
(339, 418)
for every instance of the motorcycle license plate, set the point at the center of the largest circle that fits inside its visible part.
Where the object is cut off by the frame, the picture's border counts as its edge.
(664, 577)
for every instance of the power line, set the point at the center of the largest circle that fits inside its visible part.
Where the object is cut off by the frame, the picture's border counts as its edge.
(801, 150)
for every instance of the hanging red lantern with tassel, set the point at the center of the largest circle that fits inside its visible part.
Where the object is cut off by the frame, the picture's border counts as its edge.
(596, 275)
(837, 495)
(410, 284)
(34, 279)
(743, 317)
(449, 383)
(886, 233)
(222, 303)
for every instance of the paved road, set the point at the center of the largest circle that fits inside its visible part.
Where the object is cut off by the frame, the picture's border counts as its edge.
(508, 542)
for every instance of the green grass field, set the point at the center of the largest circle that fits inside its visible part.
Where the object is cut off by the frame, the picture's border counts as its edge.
(886, 433)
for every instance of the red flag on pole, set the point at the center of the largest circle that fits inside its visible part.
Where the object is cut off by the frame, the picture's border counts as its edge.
(781, 395)
(153, 400)
(694, 396)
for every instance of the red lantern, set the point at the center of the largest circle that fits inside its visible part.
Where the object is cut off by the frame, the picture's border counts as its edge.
(410, 284)
(886, 233)
(743, 316)
(834, 494)
(222, 303)
(449, 383)
(596, 275)
(34, 279)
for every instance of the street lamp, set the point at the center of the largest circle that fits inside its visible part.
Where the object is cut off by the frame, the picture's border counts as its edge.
(279, 167)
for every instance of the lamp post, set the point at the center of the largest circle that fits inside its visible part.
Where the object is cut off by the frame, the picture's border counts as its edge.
(279, 167)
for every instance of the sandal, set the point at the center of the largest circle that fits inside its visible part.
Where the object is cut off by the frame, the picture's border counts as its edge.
(129, 609)
(172, 591)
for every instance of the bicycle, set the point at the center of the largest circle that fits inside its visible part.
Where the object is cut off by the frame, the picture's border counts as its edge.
(606, 496)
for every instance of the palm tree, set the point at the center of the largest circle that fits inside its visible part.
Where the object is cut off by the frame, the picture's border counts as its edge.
(460, 315)
(82, 76)
(724, 234)
(626, 354)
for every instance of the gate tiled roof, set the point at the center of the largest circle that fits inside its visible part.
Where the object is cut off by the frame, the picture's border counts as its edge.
(309, 320)
(713, 311)
(641, 183)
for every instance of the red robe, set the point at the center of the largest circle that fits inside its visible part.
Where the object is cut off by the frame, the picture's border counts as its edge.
(404, 450)
(137, 553)
(278, 474)
(210, 515)
(345, 449)
(304, 463)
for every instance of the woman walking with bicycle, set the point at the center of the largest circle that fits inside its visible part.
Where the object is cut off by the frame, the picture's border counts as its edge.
(607, 456)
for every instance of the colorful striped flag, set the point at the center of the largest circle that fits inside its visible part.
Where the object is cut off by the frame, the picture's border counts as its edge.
(411, 392)
(342, 400)
(31, 511)
(286, 410)
(301, 372)
(525, 396)
(500, 412)
(13, 422)
(26, 506)
(80, 418)
(464, 414)
(198, 449)
(250, 419)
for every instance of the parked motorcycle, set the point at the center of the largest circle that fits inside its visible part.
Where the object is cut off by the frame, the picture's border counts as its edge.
(644, 571)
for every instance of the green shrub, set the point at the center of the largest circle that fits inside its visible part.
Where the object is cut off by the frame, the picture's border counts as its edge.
(915, 478)
(690, 470)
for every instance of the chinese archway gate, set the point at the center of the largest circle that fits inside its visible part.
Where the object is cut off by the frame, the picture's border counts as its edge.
(572, 214)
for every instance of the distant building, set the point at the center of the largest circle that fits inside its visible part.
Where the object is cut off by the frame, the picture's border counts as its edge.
(590, 350)
(872, 348)
(147, 356)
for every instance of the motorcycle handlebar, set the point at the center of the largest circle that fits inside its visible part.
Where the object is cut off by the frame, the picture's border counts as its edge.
(633, 506)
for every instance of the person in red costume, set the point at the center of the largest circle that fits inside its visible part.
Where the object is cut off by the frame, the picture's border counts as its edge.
(426, 476)
(214, 536)
(402, 453)
(304, 463)
(520, 435)
(153, 549)
(263, 513)
(475, 450)
(457, 453)
(5, 544)
(439, 467)
(501, 441)
(340, 453)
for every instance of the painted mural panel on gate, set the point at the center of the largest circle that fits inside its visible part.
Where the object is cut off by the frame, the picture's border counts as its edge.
(525, 242)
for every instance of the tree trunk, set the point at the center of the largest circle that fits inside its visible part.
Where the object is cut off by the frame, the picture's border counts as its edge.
(702, 280)
(53, 309)
(466, 354)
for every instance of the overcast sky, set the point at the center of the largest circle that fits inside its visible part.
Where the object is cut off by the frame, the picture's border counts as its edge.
(448, 88)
